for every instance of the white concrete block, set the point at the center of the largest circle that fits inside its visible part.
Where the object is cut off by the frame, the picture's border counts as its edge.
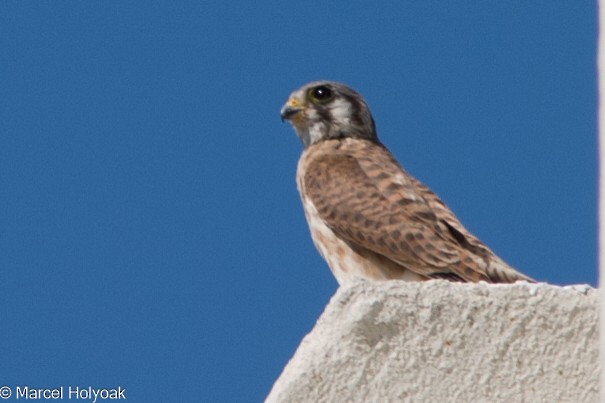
(439, 341)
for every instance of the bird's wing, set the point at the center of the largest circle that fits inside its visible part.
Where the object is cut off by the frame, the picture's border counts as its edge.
(370, 202)
(497, 270)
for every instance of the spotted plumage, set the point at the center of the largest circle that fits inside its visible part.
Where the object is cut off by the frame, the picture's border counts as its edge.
(368, 217)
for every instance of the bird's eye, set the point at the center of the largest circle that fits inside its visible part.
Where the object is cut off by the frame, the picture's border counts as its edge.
(321, 94)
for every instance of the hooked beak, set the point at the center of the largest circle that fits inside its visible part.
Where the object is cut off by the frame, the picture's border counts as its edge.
(291, 108)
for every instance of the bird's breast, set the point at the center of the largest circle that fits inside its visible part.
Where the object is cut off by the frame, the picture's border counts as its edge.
(347, 262)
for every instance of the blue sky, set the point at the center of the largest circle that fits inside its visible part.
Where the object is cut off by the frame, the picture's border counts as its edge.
(151, 234)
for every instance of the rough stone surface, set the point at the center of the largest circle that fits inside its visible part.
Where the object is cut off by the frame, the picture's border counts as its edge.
(444, 342)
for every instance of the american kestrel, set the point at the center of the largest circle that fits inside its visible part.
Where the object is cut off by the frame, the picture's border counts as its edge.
(368, 217)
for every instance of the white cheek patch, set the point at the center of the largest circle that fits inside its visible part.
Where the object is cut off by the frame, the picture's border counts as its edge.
(317, 131)
(341, 111)
(312, 114)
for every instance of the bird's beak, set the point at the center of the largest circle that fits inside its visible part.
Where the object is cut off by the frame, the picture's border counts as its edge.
(290, 108)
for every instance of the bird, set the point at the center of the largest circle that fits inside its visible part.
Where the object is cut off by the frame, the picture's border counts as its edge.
(368, 217)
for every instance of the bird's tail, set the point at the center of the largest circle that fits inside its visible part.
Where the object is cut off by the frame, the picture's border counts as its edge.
(500, 272)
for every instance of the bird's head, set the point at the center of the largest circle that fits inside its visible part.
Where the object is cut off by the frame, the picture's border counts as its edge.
(324, 110)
